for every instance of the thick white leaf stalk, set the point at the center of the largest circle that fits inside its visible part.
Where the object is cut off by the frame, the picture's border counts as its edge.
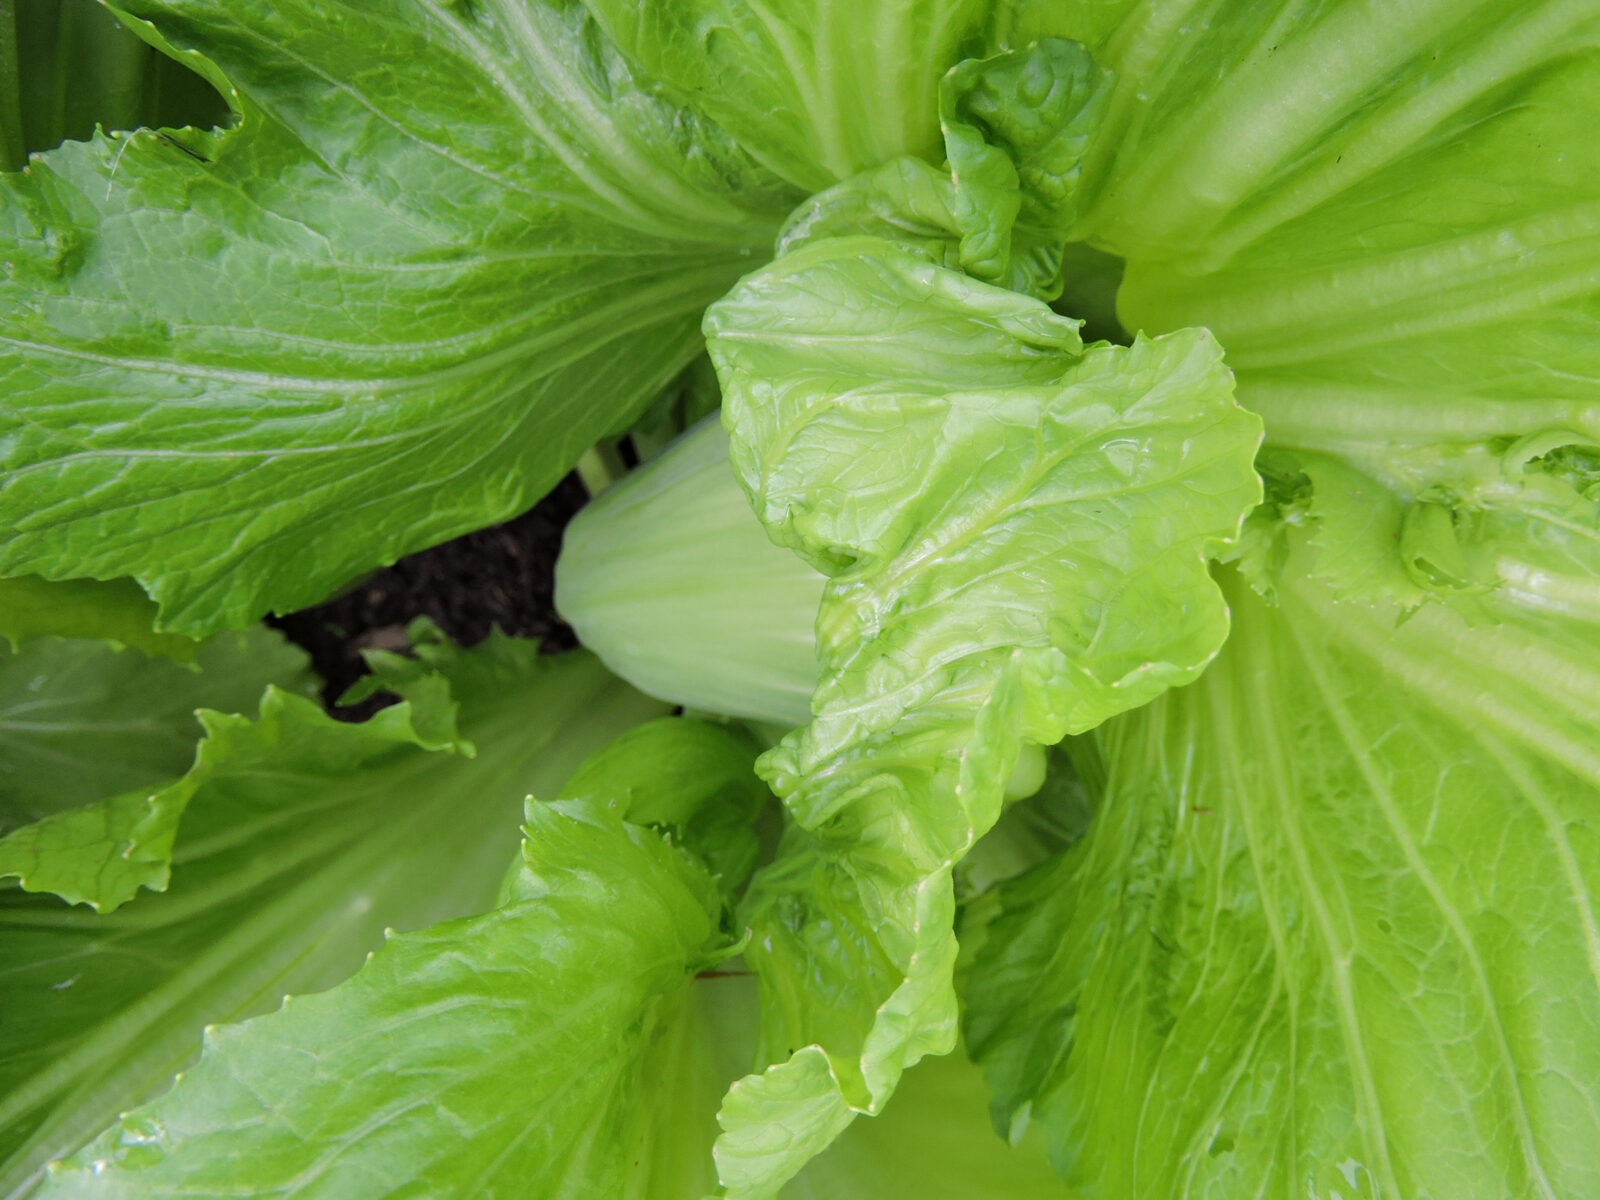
(671, 580)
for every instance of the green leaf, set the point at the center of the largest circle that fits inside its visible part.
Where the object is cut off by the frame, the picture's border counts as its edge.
(1017, 23)
(440, 253)
(303, 839)
(100, 854)
(690, 398)
(1490, 528)
(1333, 926)
(972, 459)
(78, 67)
(115, 611)
(569, 996)
(80, 721)
(1016, 533)
(1393, 226)
(687, 777)
(1018, 127)
(818, 90)
(935, 1143)
(72, 738)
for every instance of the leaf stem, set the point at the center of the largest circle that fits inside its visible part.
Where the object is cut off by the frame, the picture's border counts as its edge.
(13, 150)
(600, 467)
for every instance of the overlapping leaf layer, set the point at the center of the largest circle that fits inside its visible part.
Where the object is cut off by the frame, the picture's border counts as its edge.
(1331, 928)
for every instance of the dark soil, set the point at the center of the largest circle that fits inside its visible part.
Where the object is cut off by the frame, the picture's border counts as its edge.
(502, 577)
